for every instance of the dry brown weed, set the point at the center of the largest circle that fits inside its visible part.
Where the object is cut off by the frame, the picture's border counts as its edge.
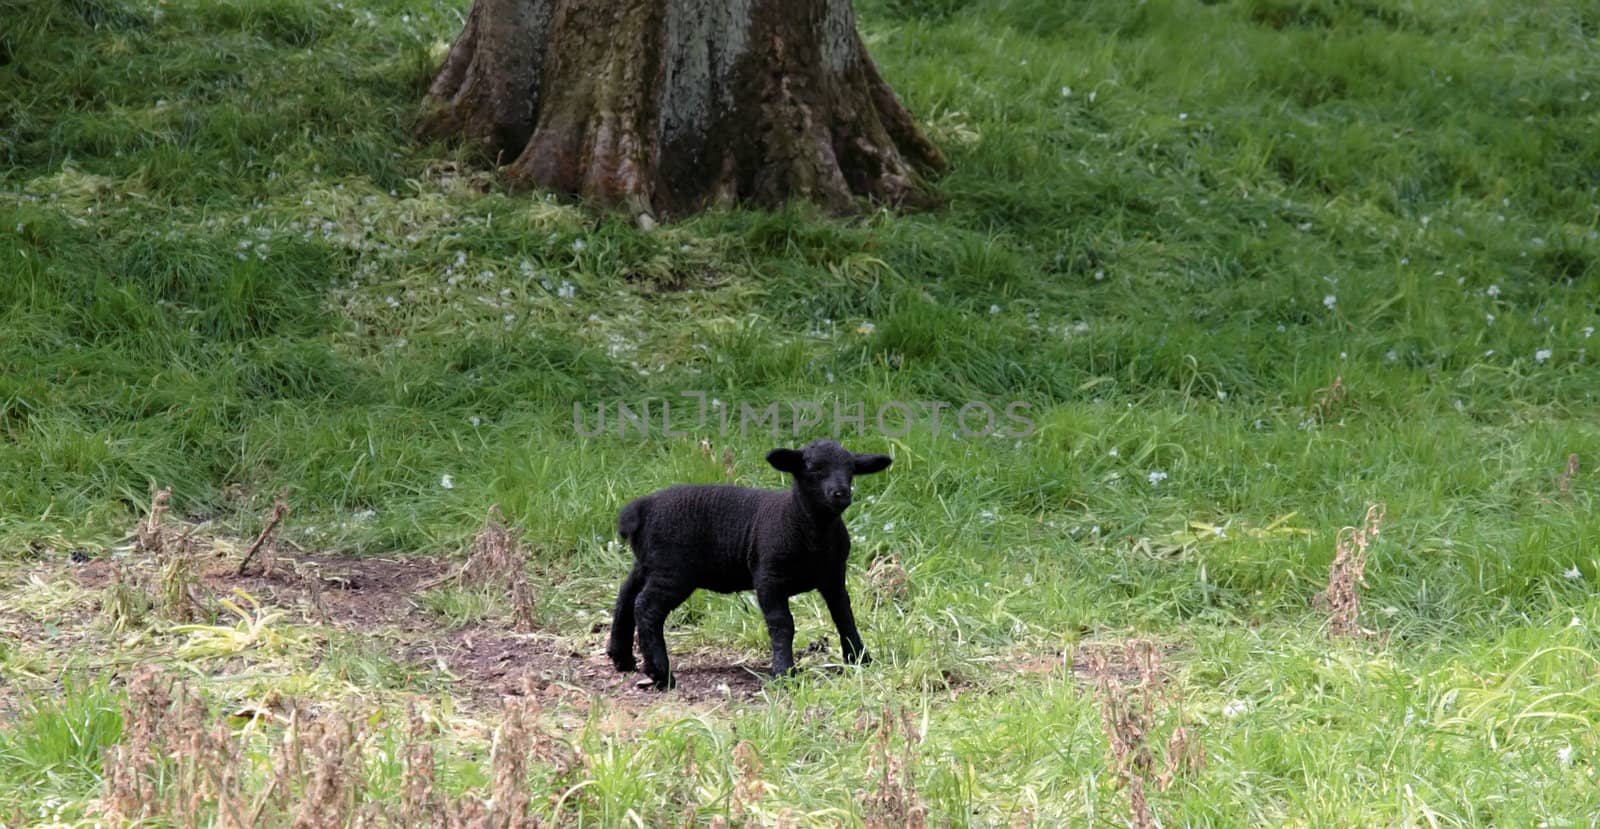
(173, 768)
(1347, 575)
(893, 802)
(1133, 710)
(497, 558)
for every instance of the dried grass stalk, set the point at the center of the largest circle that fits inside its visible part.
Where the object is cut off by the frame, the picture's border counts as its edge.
(893, 802)
(497, 558)
(1132, 714)
(279, 510)
(1347, 575)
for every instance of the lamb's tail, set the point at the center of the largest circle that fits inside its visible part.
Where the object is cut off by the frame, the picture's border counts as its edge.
(631, 518)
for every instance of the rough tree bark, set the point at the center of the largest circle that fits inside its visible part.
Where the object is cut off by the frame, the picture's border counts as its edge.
(667, 106)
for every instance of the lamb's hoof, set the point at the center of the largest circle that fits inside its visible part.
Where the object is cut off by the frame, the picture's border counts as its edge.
(862, 658)
(624, 663)
(656, 684)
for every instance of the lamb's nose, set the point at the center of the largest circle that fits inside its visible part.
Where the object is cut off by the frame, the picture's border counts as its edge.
(839, 495)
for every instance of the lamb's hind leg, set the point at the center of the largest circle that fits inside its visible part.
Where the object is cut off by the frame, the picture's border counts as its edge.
(620, 647)
(655, 601)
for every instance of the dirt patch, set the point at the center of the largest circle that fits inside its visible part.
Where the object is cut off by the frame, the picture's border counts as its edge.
(491, 662)
(484, 661)
(358, 593)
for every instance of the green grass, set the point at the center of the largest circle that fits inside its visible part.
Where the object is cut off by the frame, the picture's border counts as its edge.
(1170, 227)
(53, 745)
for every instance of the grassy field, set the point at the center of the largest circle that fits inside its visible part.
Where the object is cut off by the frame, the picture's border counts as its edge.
(1253, 266)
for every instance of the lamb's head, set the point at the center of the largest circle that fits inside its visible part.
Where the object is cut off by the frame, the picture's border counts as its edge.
(823, 470)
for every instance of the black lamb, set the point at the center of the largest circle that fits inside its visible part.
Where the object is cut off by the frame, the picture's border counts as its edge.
(729, 538)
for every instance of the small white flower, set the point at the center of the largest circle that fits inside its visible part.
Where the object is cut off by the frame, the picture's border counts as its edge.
(1183, 116)
(393, 303)
(1588, 331)
(1572, 573)
(994, 309)
(1330, 300)
(1488, 319)
(888, 527)
(567, 290)
(578, 245)
(1099, 275)
(1391, 356)
(1494, 290)
(1222, 395)
(475, 421)
(447, 482)
(1541, 355)
(1564, 756)
(1092, 95)
(1236, 708)
(1066, 92)
(364, 515)
(1156, 477)
(1282, 328)
(1113, 453)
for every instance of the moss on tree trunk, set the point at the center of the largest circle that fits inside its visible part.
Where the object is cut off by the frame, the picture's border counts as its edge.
(667, 107)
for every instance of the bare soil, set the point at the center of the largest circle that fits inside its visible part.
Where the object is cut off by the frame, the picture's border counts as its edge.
(492, 662)
(377, 596)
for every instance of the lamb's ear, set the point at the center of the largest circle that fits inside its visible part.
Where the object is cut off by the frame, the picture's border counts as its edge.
(787, 460)
(868, 464)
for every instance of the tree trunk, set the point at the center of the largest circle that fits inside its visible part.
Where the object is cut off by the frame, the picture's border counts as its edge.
(666, 106)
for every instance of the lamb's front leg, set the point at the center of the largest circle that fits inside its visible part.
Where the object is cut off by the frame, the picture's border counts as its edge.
(838, 600)
(780, 627)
